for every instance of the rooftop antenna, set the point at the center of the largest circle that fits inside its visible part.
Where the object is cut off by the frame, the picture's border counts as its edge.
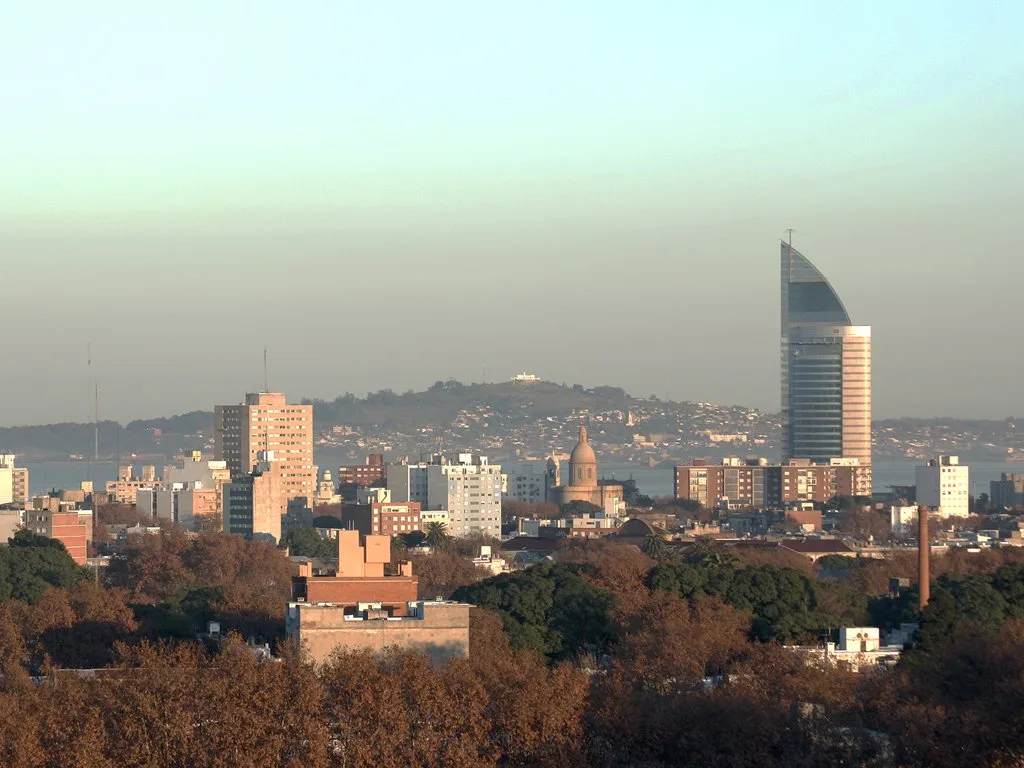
(789, 241)
(96, 424)
(88, 386)
(266, 386)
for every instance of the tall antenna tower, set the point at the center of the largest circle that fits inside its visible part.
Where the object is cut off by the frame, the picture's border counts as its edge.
(96, 424)
(266, 385)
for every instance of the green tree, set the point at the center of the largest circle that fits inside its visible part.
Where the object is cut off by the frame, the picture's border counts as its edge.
(437, 536)
(549, 609)
(35, 563)
(708, 552)
(579, 508)
(306, 542)
(654, 546)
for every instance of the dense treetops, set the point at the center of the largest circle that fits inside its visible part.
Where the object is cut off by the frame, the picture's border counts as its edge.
(608, 657)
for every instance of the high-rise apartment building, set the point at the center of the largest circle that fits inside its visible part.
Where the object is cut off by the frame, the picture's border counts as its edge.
(469, 489)
(826, 369)
(943, 485)
(266, 423)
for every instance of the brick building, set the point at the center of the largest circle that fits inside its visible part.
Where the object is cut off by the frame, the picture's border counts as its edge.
(755, 483)
(371, 474)
(60, 520)
(371, 603)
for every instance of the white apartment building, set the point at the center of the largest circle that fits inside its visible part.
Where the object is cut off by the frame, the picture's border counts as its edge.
(469, 489)
(528, 484)
(943, 485)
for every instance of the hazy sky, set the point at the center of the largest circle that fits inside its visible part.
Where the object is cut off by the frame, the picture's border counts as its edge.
(387, 194)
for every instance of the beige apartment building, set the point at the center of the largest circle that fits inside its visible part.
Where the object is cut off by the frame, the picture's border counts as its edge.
(265, 424)
(126, 487)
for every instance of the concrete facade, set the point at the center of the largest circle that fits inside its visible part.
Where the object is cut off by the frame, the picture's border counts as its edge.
(10, 521)
(255, 504)
(440, 630)
(187, 506)
(527, 485)
(124, 489)
(1008, 490)
(14, 482)
(943, 485)
(468, 489)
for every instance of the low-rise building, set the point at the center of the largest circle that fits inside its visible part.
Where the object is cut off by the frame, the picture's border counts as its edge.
(903, 520)
(10, 521)
(438, 629)
(189, 505)
(859, 647)
(369, 474)
(393, 518)
(127, 485)
(754, 483)
(371, 603)
(61, 520)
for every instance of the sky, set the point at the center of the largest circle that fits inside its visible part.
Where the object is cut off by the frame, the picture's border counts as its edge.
(388, 194)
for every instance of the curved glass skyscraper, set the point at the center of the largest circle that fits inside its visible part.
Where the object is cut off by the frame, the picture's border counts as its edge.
(826, 370)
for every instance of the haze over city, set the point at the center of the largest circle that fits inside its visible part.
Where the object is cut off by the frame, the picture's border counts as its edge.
(595, 195)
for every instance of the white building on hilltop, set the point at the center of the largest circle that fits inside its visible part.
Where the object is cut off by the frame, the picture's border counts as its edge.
(469, 489)
(943, 485)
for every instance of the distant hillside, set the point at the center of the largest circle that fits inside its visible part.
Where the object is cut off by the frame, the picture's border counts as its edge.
(443, 401)
(520, 420)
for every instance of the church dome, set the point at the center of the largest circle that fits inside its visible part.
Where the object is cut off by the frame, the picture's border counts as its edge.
(583, 463)
(583, 453)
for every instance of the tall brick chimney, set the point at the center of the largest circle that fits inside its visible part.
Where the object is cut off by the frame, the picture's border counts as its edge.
(923, 549)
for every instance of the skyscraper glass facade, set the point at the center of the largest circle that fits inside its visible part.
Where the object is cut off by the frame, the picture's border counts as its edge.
(826, 369)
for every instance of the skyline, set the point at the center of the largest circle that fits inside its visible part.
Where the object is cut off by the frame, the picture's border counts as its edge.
(531, 175)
